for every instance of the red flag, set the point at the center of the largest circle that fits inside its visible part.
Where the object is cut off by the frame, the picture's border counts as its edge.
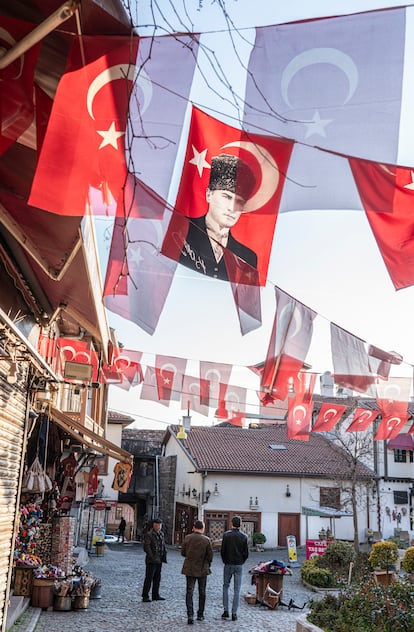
(164, 379)
(299, 419)
(44, 104)
(350, 361)
(125, 369)
(138, 276)
(218, 376)
(394, 417)
(235, 399)
(254, 173)
(85, 142)
(289, 343)
(236, 420)
(328, 416)
(387, 194)
(192, 397)
(362, 419)
(17, 83)
(204, 392)
(174, 366)
(78, 351)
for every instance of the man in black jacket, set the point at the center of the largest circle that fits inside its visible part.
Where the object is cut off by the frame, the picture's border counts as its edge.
(156, 554)
(234, 553)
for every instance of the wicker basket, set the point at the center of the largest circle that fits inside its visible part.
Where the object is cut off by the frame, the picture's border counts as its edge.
(250, 598)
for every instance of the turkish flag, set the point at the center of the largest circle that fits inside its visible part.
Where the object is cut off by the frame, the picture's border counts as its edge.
(328, 416)
(125, 369)
(204, 392)
(175, 366)
(244, 281)
(235, 399)
(17, 83)
(164, 378)
(218, 376)
(387, 194)
(380, 361)
(350, 361)
(138, 276)
(362, 419)
(394, 417)
(149, 385)
(268, 159)
(299, 419)
(194, 395)
(78, 351)
(85, 140)
(236, 420)
(289, 343)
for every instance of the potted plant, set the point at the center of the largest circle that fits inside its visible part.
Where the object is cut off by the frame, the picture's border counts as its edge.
(383, 558)
(407, 563)
(258, 540)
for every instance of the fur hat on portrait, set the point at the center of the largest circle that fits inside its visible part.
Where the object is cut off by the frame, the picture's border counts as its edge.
(230, 173)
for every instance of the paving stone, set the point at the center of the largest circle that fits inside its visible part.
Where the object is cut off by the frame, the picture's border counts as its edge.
(122, 569)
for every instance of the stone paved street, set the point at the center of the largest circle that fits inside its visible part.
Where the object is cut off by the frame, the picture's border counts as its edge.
(121, 609)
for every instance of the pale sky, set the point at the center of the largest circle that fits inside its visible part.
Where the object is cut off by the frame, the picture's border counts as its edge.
(326, 259)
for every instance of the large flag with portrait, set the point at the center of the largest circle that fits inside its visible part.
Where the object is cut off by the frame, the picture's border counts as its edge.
(230, 190)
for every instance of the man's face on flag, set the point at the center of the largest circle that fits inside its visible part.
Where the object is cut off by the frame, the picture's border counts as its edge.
(225, 207)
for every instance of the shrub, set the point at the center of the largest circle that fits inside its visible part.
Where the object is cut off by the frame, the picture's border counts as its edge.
(401, 544)
(258, 538)
(312, 574)
(339, 554)
(368, 608)
(407, 562)
(383, 555)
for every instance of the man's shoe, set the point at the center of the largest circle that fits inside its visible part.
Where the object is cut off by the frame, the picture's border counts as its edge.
(234, 617)
(190, 621)
(146, 599)
(158, 598)
(225, 615)
(200, 617)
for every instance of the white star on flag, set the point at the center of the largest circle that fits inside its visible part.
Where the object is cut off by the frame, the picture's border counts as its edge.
(199, 160)
(317, 125)
(110, 137)
(411, 184)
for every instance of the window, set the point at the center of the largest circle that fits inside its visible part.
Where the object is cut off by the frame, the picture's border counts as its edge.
(400, 456)
(401, 498)
(330, 497)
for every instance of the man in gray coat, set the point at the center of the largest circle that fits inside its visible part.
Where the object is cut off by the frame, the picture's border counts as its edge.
(198, 554)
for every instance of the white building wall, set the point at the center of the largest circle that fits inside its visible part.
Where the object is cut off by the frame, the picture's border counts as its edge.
(236, 490)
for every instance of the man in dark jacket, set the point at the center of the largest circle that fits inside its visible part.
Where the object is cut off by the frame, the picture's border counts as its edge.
(156, 554)
(234, 553)
(198, 554)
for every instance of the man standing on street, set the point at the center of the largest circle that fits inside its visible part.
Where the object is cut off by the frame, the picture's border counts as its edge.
(198, 554)
(234, 553)
(156, 554)
(121, 529)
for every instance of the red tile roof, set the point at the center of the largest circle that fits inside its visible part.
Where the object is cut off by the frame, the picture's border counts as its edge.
(248, 450)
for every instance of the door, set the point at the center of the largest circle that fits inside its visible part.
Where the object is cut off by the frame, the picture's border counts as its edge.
(288, 524)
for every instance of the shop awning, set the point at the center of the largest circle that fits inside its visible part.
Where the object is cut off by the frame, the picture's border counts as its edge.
(89, 438)
(324, 512)
(401, 442)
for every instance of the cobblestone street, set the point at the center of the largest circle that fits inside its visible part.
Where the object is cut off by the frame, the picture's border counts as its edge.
(121, 609)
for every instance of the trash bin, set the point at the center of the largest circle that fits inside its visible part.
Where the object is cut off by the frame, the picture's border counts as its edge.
(100, 547)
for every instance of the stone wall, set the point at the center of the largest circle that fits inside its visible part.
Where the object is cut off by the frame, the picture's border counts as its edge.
(167, 475)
